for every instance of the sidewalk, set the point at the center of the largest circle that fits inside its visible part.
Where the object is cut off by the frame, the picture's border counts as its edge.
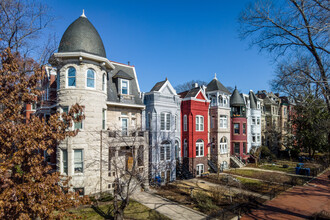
(166, 207)
(299, 202)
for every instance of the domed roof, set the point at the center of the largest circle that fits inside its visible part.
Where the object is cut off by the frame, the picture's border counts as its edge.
(81, 36)
(236, 99)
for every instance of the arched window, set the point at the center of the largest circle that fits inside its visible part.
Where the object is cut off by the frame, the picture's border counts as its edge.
(223, 145)
(165, 151)
(185, 123)
(90, 78)
(104, 82)
(71, 77)
(177, 150)
(199, 148)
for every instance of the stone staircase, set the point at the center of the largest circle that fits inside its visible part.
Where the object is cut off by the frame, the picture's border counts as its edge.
(213, 167)
(236, 162)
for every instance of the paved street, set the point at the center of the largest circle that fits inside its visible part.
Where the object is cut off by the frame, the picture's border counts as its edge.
(168, 208)
(299, 202)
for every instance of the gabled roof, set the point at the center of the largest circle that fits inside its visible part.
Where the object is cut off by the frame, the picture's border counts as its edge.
(122, 74)
(215, 85)
(192, 92)
(158, 86)
(236, 99)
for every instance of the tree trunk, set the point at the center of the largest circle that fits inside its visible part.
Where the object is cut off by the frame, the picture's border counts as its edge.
(119, 214)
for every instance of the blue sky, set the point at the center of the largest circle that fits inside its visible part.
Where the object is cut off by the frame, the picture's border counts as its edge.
(182, 40)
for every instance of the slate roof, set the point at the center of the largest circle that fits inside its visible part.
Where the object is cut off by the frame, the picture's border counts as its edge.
(215, 85)
(113, 85)
(122, 74)
(192, 92)
(253, 100)
(236, 99)
(157, 86)
(81, 36)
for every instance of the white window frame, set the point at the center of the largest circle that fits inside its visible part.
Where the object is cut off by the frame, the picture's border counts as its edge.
(199, 169)
(90, 78)
(104, 82)
(254, 139)
(258, 120)
(200, 148)
(122, 130)
(165, 125)
(121, 86)
(67, 77)
(75, 162)
(62, 162)
(199, 123)
(223, 145)
(223, 121)
(185, 124)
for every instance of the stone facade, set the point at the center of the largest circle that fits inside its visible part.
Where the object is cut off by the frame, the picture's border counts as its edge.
(163, 104)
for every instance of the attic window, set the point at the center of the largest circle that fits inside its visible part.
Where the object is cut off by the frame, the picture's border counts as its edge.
(124, 87)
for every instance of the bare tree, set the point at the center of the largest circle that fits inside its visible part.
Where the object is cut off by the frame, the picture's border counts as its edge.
(22, 23)
(127, 162)
(189, 85)
(296, 28)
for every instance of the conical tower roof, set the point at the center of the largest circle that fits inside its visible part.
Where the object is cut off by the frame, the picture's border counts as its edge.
(236, 99)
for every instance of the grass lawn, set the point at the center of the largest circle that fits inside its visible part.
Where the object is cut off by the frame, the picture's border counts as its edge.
(134, 210)
(278, 168)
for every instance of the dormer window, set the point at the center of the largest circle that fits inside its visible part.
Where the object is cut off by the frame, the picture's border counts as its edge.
(90, 78)
(124, 87)
(71, 77)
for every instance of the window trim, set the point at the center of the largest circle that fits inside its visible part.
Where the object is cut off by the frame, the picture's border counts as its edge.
(167, 117)
(224, 120)
(223, 145)
(90, 78)
(104, 82)
(197, 170)
(104, 119)
(74, 162)
(62, 162)
(200, 148)
(121, 119)
(121, 86)
(235, 129)
(199, 124)
(185, 123)
(67, 77)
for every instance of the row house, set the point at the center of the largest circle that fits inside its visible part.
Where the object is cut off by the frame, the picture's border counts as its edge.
(111, 134)
(194, 131)
(163, 117)
(219, 131)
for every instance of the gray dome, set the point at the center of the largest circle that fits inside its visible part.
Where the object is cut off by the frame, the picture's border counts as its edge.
(81, 36)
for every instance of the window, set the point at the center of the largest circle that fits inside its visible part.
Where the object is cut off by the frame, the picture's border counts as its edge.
(253, 120)
(90, 78)
(80, 191)
(220, 100)
(236, 148)
(65, 109)
(185, 148)
(165, 121)
(253, 138)
(244, 128)
(104, 111)
(258, 105)
(78, 161)
(58, 81)
(65, 162)
(124, 87)
(223, 121)
(200, 148)
(175, 122)
(258, 121)
(258, 138)
(212, 122)
(124, 124)
(141, 156)
(223, 145)
(284, 109)
(165, 151)
(71, 77)
(78, 125)
(199, 169)
(112, 154)
(104, 82)
(199, 123)
(33, 106)
(236, 128)
(185, 122)
(177, 150)
(244, 148)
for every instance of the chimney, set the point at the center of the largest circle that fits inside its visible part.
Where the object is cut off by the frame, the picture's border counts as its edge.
(195, 85)
(128, 63)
